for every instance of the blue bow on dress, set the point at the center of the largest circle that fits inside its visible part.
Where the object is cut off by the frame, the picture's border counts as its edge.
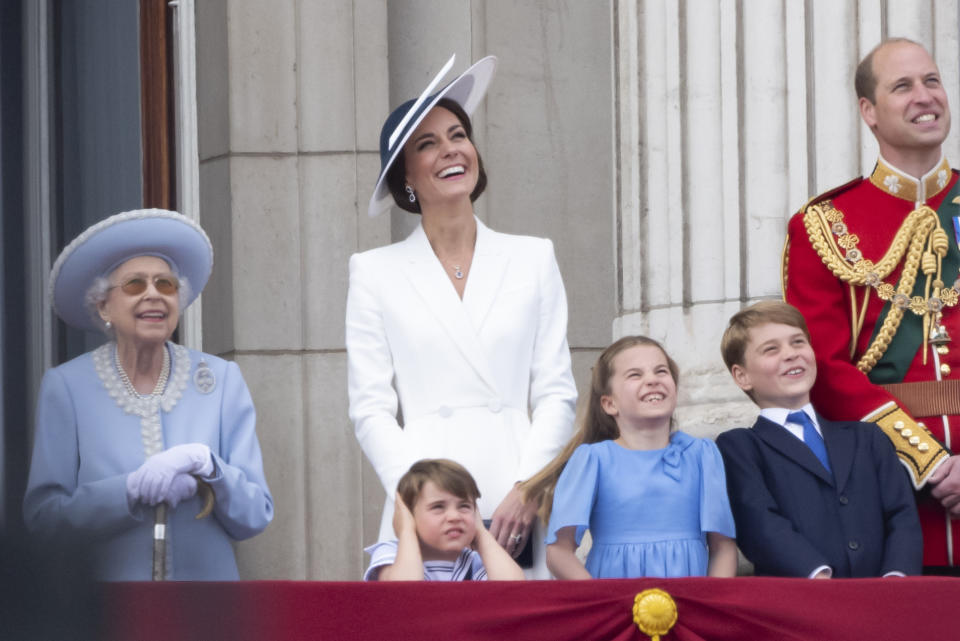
(679, 441)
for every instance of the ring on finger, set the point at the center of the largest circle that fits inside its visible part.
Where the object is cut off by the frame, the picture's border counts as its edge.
(515, 538)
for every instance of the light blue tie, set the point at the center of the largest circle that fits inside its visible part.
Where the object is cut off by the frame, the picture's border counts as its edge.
(811, 437)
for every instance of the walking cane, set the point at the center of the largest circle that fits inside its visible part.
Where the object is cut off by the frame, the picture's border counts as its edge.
(160, 528)
(160, 542)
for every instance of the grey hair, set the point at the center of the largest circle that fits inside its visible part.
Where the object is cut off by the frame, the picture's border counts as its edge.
(98, 291)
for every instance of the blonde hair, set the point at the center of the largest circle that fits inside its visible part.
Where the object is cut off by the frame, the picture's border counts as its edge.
(594, 423)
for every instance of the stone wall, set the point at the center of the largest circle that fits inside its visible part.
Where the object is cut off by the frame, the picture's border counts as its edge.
(730, 115)
(661, 144)
(292, 94)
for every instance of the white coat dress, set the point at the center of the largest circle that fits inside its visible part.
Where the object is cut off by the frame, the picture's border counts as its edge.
(485, 380)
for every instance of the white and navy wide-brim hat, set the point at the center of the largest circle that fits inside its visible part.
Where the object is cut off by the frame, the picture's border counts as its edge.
(467, 90)
(104, 246)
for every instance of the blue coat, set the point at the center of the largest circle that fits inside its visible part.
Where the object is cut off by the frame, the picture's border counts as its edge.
(85, 445)
(793, 517)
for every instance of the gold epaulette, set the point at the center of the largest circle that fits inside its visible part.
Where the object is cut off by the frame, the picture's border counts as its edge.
(785, 255)
(831, 193)
(916, 448)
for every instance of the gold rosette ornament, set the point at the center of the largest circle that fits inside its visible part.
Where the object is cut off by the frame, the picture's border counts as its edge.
(654, 612)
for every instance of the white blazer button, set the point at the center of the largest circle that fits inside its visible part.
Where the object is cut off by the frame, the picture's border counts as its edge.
(445, 412)
(494, 405)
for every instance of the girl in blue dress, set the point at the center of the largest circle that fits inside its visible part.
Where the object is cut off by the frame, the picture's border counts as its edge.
(654, 499)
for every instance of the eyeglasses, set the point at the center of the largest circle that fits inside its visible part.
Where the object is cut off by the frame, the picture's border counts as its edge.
(166, 285)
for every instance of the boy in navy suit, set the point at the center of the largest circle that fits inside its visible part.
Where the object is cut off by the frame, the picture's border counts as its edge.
(810, 497)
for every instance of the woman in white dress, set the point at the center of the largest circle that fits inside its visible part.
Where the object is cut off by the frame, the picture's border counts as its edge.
(462, 327)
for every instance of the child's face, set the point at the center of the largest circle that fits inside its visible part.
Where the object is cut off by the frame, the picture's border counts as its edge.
(445, 523)
(779, 366)
(642, 388)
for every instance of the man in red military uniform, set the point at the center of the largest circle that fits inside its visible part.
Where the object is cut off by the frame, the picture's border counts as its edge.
(874, 265)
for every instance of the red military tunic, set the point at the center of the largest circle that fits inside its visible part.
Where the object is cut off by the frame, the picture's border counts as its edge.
(820, 258)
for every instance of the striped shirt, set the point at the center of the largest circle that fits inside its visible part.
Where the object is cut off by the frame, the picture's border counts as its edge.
(467, 567)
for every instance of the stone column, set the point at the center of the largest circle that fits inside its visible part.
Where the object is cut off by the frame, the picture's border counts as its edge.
(729, 116)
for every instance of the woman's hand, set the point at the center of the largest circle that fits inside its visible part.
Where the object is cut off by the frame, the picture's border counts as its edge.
(150, 483)
(512, 521)
(183, 487)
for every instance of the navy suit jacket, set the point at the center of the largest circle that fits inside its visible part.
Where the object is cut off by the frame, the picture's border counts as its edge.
(792, 516)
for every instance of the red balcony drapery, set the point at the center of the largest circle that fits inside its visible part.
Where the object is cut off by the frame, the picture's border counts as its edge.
(742, 609)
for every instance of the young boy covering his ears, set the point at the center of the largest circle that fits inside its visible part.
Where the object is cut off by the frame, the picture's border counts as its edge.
(440, 535)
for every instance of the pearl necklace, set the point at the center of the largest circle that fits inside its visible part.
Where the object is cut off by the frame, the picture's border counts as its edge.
(161, 382)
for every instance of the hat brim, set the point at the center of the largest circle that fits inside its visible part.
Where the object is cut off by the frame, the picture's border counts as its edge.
(105, 245)
(467, 90)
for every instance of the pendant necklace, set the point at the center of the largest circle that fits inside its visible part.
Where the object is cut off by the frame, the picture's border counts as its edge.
(458, 274)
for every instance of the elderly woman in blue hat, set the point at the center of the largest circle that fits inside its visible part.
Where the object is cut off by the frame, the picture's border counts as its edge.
(144, 450)
(462, 327)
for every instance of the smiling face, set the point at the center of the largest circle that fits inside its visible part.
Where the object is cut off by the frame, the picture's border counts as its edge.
(441, 162)
(779, 366)
(445, 523)
(147, 317)
(642, 388)
(910, 114)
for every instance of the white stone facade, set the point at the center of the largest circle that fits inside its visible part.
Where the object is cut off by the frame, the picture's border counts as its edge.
(661, 145)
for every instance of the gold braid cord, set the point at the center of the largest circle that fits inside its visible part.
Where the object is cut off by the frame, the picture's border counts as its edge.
(920, 238)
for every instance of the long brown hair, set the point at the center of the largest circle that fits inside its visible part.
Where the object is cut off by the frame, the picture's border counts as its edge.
(594, 423)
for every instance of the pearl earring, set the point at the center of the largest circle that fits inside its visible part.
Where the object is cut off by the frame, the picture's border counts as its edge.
(413, 196)
(108, 325)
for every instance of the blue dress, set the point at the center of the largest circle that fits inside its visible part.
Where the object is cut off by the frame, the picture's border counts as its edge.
(648, 511)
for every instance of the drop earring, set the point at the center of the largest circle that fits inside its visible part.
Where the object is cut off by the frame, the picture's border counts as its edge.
(413, 196)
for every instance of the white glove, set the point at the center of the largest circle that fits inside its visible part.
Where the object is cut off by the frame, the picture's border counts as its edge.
(150, 483)
(183, 487)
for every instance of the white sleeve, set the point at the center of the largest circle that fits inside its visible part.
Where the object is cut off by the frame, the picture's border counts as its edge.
(373, 399)
(381, 554)
(553, 394)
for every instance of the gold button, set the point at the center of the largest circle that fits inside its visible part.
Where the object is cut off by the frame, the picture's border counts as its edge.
(943, 349)
(899, 424)
(906, 432)
(944, 369)
(921, 425)
(923, 447)
(914, 440)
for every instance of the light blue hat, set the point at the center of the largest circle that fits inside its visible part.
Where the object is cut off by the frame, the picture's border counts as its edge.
(102, 247)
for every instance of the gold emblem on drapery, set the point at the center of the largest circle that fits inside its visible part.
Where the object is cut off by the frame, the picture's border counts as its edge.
(654, 612)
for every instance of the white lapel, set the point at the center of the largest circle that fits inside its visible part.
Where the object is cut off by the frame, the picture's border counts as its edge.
(431, 282)
(486, 275)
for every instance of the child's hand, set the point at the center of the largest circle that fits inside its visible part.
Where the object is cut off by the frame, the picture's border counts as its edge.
(481, 530)
(403, 520)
